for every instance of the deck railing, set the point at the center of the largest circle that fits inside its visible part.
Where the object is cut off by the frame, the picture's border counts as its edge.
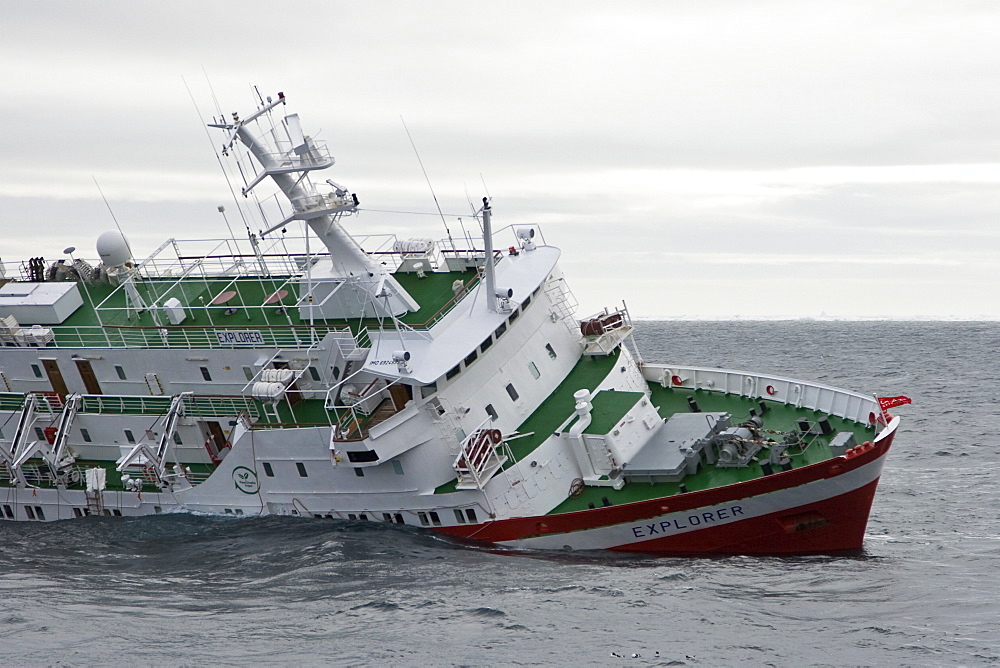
(855, 406)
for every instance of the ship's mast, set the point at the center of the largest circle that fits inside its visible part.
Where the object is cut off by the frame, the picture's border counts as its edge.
(362, 287)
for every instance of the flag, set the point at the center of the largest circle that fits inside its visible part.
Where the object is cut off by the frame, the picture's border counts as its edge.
(891, 402)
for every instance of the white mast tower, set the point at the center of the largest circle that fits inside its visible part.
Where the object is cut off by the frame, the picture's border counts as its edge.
(349, 284)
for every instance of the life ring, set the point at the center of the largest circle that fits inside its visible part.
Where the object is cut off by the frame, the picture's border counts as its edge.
(770, 390)
(676, 380)
(576, 487)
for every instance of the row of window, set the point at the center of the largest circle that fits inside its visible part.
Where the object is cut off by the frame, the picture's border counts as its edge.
(38, 513)
(428, 518)
(205, 373)
(397, 467)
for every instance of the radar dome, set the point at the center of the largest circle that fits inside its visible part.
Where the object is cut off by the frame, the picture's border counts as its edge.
(113, 249)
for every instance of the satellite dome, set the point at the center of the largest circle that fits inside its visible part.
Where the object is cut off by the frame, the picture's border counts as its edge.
(113, 249)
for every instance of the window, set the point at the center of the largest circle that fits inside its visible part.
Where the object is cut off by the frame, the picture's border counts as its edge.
(486, 344)
(454, 372)
(470, 513)
(268, 471)
(8, 511)
(204, 373)
(358, 456)
(37, 370)
(336, 373)
(525, 303)
(121, 372)
(471, 358)
(435, 520)
(459, 517)
(397, 466)
(302, 469)
(386, 517)
(78, 512)
(511, 392)
(399, 519)
(500, 330)
(129, 436)
(29, 512)
(39, 433)
(513, 317)
(552, 351)
(314, 373)
(428, 390)
(423, 519)
(177, 438)
(248, 372)
(534, 370)
(491, 412)
(359, 472)
(39, 513)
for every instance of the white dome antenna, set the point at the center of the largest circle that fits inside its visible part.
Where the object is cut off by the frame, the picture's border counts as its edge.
(113, 249)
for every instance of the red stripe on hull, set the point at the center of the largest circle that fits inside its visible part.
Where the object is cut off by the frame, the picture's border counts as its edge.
(830, 525)
(833, 525)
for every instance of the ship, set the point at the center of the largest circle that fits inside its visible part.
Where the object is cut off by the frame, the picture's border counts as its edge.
(440, 384)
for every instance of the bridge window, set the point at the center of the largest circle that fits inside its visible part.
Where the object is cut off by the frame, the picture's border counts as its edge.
(453, 372)
(500, 330)
(471, 358)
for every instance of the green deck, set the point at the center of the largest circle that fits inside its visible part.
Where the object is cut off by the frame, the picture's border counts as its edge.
(610, 407)
(121, 325)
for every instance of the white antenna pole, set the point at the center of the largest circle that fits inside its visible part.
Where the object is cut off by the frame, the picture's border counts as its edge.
(491, 291)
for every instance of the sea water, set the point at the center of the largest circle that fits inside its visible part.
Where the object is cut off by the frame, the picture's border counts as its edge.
(194, 590)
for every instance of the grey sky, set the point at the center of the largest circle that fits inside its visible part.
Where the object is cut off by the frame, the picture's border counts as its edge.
(693, 158)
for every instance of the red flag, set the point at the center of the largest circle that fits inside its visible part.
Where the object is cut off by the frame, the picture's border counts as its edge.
(891, 402)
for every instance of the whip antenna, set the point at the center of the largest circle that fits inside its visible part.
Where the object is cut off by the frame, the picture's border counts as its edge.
(427, 178)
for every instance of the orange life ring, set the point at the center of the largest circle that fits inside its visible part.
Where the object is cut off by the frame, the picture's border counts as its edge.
(676, 380)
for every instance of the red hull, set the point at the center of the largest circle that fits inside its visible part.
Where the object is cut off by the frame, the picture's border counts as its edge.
(796, 520)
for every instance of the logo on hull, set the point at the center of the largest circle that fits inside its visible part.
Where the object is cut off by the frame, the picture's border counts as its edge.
(246, 480)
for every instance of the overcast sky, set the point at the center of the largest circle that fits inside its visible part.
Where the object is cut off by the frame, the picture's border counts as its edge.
(692, 158)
